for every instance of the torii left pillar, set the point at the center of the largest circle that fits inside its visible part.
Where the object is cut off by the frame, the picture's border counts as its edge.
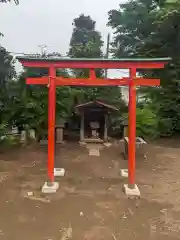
(131, 189)
(51, 122)
(51, 186)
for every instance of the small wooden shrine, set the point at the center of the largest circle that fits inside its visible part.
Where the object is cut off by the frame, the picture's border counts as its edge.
(94, 121)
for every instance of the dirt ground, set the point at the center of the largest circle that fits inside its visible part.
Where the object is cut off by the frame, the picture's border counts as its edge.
(90, 203)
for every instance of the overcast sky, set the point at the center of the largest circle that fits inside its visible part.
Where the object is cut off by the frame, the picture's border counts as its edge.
(38, 22)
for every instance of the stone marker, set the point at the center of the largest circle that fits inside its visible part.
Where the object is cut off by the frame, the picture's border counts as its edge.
(124, 173)
(23, 137)
(59, 172)
(60, 134)
(32, 134)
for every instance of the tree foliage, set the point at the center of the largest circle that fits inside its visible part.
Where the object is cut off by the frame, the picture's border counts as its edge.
(85, 40)
(26, 106)
(146, 28)
(132, 24)
(146, 123)
(7, 72)
(86, 43)
(6, 1)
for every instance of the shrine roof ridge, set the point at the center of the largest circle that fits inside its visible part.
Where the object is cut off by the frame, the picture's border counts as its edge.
(66, 59)
(98, 102)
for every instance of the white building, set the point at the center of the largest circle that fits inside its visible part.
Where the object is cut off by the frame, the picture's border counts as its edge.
(125, 94)
(119, 73)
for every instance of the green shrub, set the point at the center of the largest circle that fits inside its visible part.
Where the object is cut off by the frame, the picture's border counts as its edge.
(146, 123)
(7, 139)
(166, 126)
(11, 140)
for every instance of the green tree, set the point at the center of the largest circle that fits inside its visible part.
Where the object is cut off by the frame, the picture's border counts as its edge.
(85, 40)
(86, 43)
(35, 101)
(26, 106)
(165, 42)
(7, 72)
(132, 24)
(156, 27)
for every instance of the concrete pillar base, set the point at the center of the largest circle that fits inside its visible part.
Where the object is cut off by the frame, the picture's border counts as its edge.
(131, 192)
(124, 173)
(59, 172)
(49, 187)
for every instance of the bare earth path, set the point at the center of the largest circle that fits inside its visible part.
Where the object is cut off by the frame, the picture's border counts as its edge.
(90, 203)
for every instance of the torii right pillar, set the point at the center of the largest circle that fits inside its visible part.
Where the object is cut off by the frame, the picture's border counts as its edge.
(131, 189)
(132, 129)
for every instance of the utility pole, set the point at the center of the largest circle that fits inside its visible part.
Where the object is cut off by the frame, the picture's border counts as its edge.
(43, 49)
(107, 53)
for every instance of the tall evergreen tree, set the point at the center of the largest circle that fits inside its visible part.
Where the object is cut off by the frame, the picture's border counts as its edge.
(86, 43)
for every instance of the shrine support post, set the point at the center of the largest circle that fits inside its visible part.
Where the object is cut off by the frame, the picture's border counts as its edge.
(51, 122)
(132, 129)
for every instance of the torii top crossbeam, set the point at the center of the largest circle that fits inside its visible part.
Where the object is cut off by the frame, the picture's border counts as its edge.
(132, 81)
(30, 61)
(102, 63)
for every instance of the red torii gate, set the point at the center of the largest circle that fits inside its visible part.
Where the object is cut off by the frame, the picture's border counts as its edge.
(132, 81)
